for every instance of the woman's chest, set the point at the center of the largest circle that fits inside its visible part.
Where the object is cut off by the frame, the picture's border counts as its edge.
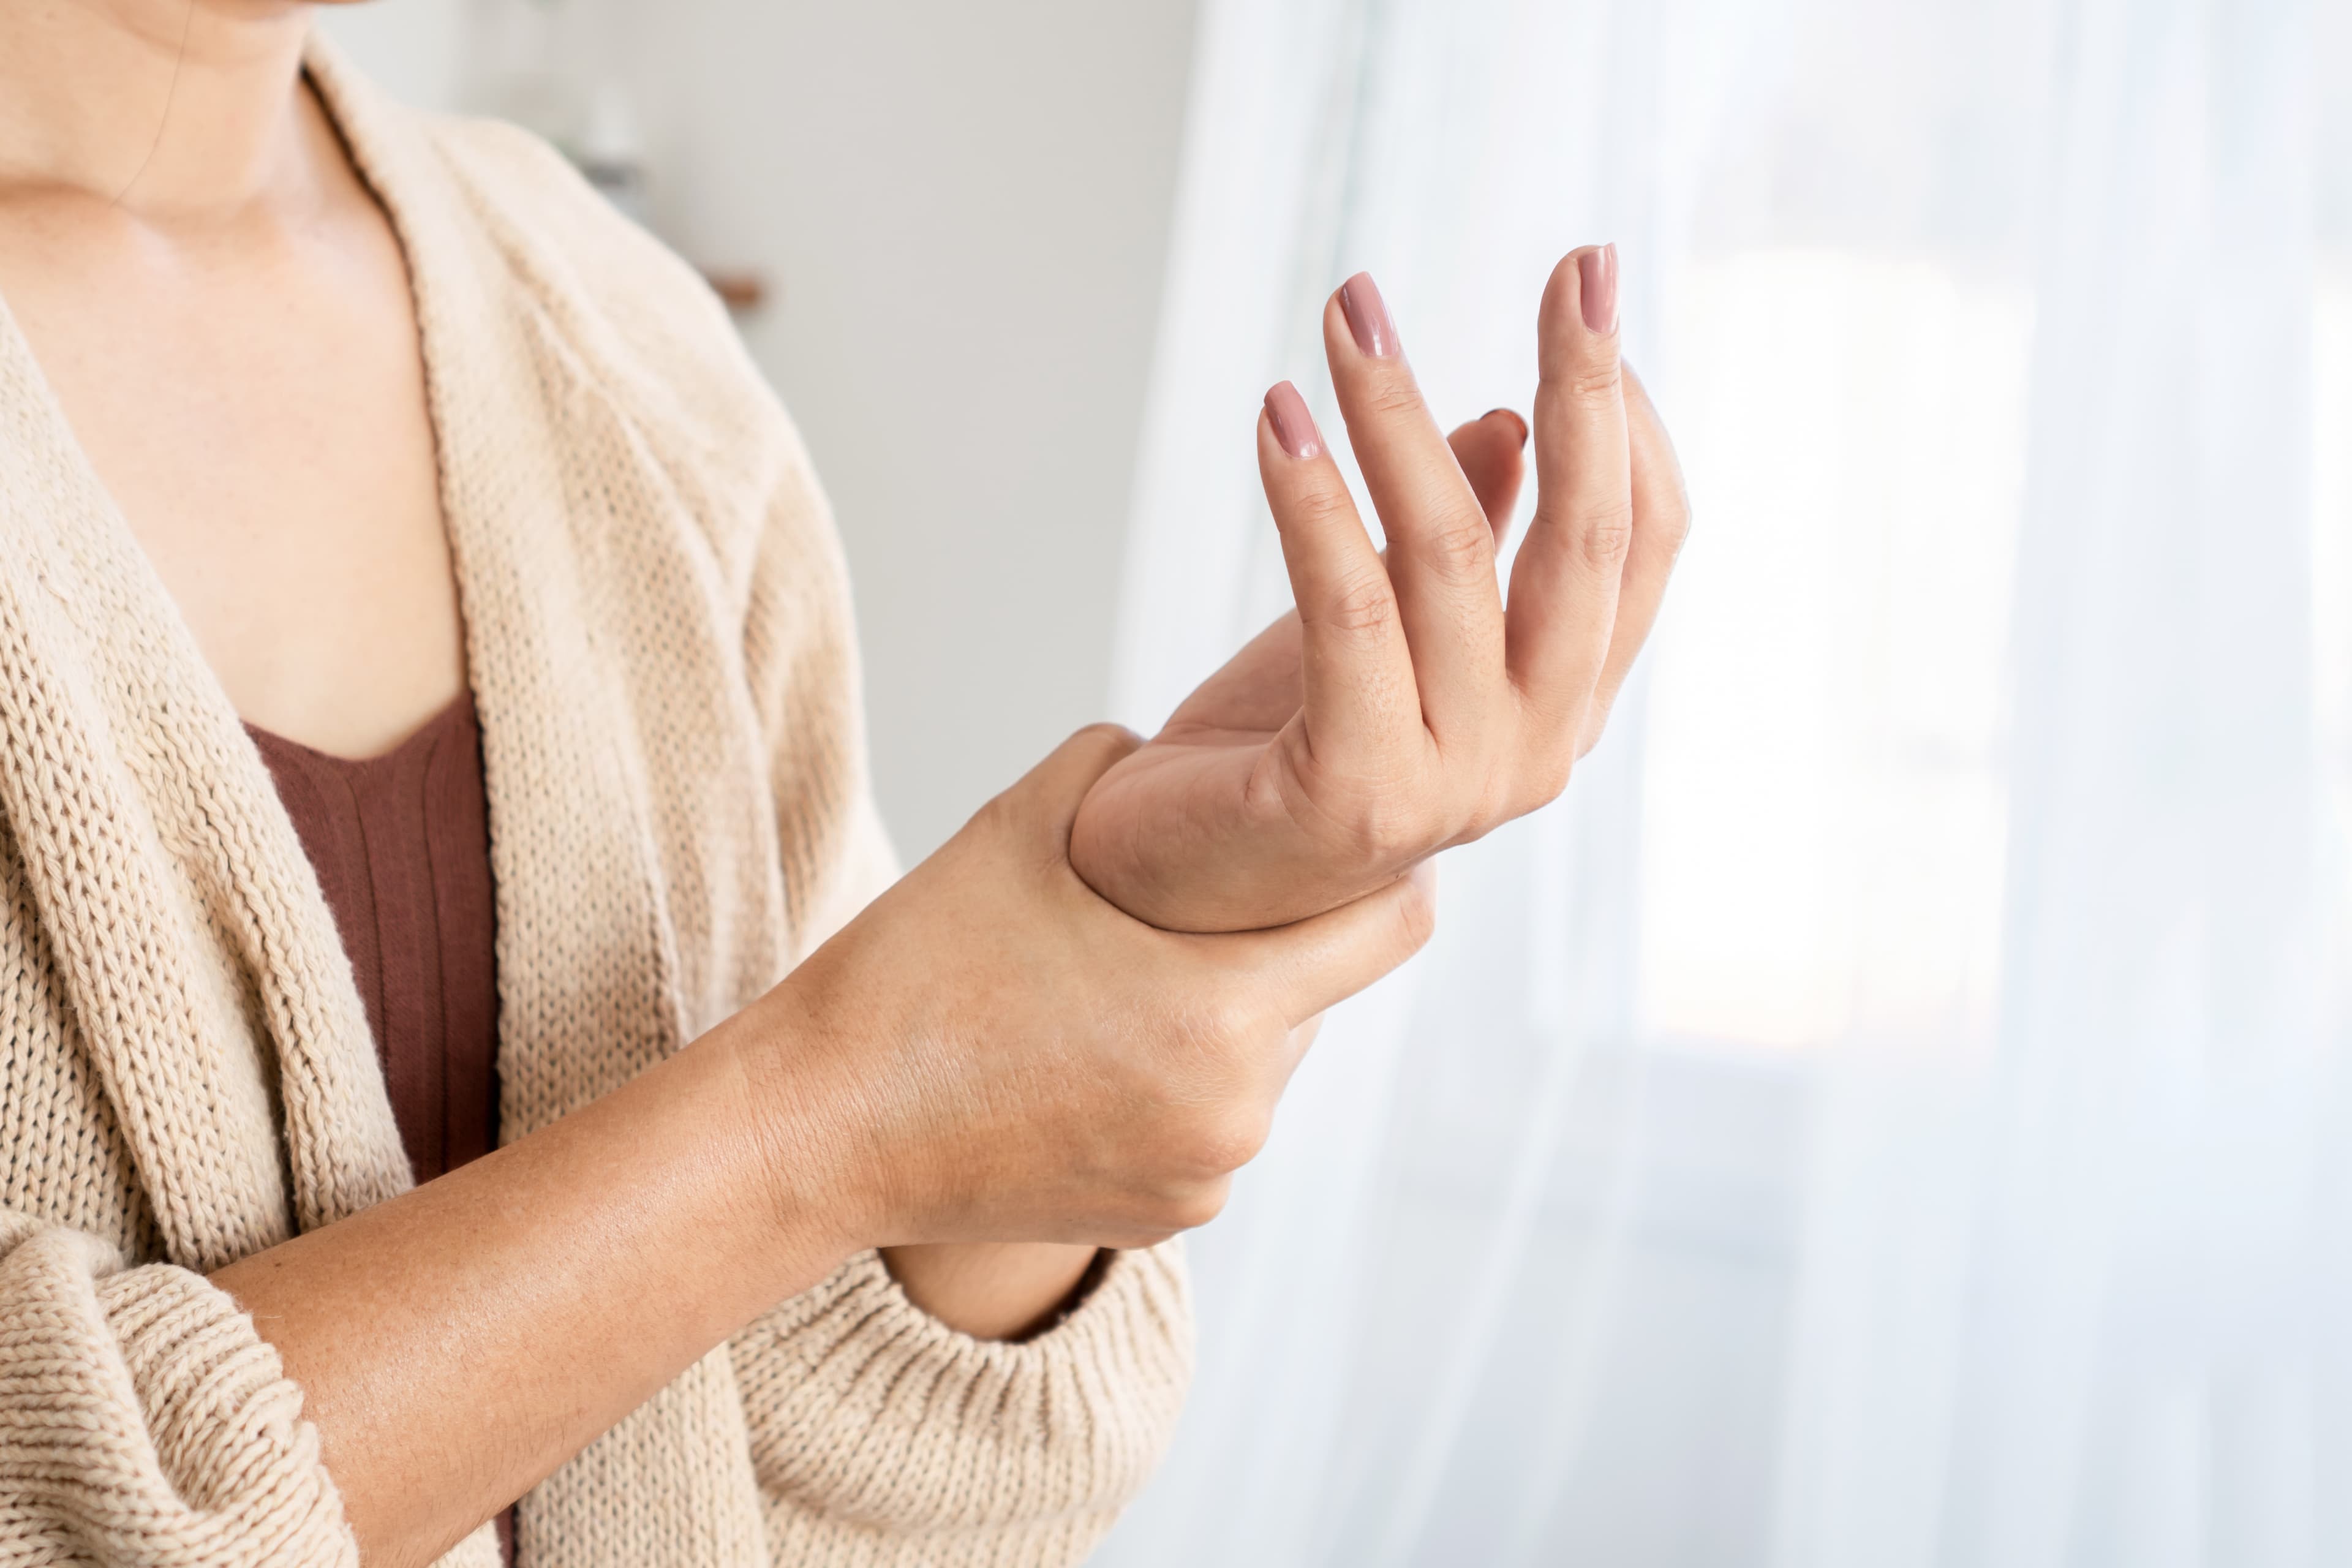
(255, 410)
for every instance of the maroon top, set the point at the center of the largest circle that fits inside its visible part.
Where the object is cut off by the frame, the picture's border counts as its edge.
(401, 844)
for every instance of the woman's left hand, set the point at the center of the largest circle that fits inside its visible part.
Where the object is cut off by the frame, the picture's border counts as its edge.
(1404, 706)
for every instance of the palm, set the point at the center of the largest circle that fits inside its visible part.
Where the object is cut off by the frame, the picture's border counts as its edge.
(1249, 699)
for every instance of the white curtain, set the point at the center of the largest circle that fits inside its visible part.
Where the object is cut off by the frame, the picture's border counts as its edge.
(1894, 1112)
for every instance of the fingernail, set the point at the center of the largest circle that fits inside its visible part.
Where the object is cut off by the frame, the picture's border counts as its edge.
(1293, 425)
(1510, 414)
(1368, 316)
(1596, 272)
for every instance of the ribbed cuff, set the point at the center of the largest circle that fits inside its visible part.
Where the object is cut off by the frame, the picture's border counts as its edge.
(144, 1421)
(869, 1411)
(224, 1421)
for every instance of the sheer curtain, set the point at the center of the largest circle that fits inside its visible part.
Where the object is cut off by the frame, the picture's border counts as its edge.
(1893, 1111)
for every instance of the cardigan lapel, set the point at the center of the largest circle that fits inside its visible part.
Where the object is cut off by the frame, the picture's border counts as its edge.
(587, 966)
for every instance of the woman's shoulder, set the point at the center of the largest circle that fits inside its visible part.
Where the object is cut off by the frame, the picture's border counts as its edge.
(495, 214)
(528, 189)
(619, 292)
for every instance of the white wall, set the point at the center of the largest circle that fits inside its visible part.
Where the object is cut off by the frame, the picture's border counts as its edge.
(965, 209)
(414, 47)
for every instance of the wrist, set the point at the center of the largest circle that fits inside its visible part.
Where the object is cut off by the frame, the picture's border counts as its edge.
(801, 1122)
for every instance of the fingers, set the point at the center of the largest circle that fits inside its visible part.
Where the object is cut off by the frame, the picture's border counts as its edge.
(1046, 799)
(1660, 522)
(1491, 450)
(1356, 686)
(1441, 554)
(1319, 963)
(1564, 584)
(1509, 694)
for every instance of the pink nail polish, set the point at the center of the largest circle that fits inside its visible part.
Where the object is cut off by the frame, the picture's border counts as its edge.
(1596, 276)
(1293, 425)
(1368, 316)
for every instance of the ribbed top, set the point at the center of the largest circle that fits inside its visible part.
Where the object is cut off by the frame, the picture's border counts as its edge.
(401, 846)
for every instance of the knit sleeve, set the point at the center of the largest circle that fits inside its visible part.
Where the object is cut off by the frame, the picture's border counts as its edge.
(143, 1422)
(882, 1436)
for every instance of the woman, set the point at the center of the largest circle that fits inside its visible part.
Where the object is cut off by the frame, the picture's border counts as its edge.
(429, 705)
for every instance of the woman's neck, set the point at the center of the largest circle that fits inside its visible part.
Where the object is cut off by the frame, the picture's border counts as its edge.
(178, 110)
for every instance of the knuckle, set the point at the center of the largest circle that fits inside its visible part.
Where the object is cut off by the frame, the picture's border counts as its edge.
(1606, 531)
(1362, 604)
(1382, 835)
(1198, 1210)
(1393, 397)
(1498, 802)
(1211, 1052)
(1232, 1022)
(1230, 1140)
(1460, 552)
(1549, 780)
(1188, 1208)
(1321, 506)
(1594, 388)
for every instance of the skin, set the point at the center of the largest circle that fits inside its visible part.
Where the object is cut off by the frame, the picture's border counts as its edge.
(1404, 706)
(994, 1070)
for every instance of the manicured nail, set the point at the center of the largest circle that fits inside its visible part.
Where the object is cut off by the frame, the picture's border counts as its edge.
(1596, 272)
(1517, 423)
(1368, 316)
(1293, 425)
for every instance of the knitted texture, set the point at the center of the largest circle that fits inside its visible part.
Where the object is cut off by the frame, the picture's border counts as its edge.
(663, 657)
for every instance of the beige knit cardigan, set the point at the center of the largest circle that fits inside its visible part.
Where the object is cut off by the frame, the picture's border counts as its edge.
(659, 635)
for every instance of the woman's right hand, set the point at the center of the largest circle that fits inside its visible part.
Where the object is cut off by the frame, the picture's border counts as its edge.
(992, 1052)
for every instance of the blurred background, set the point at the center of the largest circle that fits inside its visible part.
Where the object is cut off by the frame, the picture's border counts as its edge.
(1893, 1111)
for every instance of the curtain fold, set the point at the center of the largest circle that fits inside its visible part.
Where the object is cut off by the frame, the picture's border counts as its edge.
(1893, 1111)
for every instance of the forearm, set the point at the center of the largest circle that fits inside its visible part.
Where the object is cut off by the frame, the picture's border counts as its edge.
(457, 1345)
